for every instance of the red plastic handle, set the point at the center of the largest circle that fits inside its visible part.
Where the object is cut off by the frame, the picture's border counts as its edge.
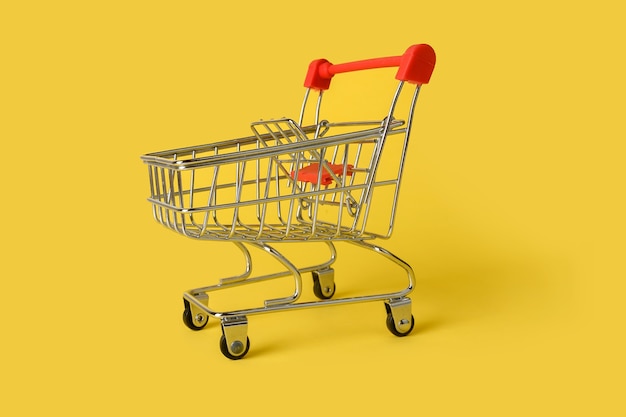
(415, 66)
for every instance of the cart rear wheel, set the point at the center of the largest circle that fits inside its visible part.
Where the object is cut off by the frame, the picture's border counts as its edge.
(188, 318)
(228, 354)
(323, 293)
(324, 283)
(391, 325)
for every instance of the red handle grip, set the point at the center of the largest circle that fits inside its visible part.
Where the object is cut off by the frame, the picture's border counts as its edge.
(415, 66)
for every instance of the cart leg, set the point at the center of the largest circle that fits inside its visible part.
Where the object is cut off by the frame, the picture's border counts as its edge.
(400, 320)
(193, 317)
(297, 276)
(248, 270)
(234, 343)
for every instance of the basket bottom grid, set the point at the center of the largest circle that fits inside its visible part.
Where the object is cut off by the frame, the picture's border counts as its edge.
(297, 232)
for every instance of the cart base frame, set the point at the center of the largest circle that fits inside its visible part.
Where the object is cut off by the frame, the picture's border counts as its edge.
(235, 343)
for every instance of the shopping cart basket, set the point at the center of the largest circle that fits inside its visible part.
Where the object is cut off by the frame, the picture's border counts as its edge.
(292, 182)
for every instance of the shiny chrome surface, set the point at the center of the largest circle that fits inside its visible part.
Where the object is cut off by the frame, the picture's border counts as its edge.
(248, 191)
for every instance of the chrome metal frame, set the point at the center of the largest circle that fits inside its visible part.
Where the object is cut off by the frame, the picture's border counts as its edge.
(248, 191)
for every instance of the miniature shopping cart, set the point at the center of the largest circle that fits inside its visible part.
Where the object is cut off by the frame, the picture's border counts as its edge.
(294, 182)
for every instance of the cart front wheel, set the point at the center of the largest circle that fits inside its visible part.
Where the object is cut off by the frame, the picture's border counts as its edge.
(197, 322)
(239, 347)
(405, 326)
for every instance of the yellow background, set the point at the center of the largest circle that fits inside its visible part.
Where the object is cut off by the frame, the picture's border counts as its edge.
(511, 212)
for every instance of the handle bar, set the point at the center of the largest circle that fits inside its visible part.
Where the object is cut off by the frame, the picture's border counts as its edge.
(415, 66)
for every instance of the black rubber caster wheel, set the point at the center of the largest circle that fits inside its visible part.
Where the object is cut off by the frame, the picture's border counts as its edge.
(325, 294)
(188, 318)
(391, 325)
(226, 352)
